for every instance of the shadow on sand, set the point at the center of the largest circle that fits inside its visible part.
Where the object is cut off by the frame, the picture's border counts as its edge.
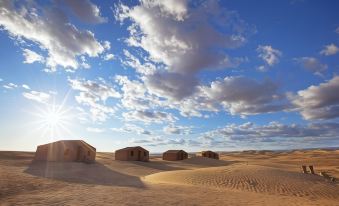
(164, 166)
(195, 162)
(76, 172)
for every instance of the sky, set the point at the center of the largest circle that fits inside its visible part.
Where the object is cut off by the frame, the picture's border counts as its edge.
(170, 74)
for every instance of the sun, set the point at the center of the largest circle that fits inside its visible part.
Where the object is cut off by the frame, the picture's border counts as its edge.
(52, 120)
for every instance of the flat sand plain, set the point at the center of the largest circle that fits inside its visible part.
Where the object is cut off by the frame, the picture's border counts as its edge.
(238, 178)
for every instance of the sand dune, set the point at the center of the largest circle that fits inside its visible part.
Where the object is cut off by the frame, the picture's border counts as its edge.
(252, 178)
(239, 178)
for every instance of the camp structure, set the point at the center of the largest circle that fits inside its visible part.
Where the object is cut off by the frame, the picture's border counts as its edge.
(210, 154)
(132, 154)
(174, 155)
(66, 150)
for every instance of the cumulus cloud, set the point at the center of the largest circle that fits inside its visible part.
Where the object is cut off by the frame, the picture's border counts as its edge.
(312, 64)
(131, 128)
(176, 35)
(85, 10)
(100, 90)
(135, 95)
(154, 142)
(31, 57)
(94, 94)
(40, 97)
(330, 49)
(177, 129)
(45, 26)
(249, 135)
(108, 57)
(10, 86)
(170, 85)
(172, 36)
(149, 116)
(269, 55)
(244, 96)
(25, 86)
(319, 102)
(174, 49)
(272, 132)
(146, 67)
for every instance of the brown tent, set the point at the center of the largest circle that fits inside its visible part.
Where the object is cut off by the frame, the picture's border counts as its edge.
(173, 155)
(66, 150)
(210, 154)
(132, 154)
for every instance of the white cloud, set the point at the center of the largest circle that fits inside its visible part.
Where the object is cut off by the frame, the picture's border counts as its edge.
(40, 97)
(10, 86)
(274, 132)
(146, 68)
(312, 64)
(319, 102)
(131, 128)
(94, 94)
(177, 37)
(46, 25)
(177, 129)
(25, 86)
(337, 30)
(170, 85)
(95, 130)
(330, 49)
(244, 96)
(100, 90)
(31, 57)
(172, 37)
(149, 116)
(269, 55)
(108, 57)
(106, 45)
(86, 11)
(135, 95)
(174, 49)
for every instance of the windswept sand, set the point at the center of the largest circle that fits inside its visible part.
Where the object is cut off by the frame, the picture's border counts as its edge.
(239, 178)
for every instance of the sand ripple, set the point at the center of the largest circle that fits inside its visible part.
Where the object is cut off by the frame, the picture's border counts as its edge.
(252, 178)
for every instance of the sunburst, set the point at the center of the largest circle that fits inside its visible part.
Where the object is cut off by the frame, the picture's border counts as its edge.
(53, 120)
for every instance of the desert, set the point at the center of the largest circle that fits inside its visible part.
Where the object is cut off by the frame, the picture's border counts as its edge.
(238, 178)
(169, 102)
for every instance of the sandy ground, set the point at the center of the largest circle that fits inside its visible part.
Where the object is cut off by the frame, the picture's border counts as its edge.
(239, 178)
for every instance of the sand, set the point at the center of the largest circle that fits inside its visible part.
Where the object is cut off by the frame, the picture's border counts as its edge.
(239, 178)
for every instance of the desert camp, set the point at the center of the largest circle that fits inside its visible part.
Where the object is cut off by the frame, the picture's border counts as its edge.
(66, 150)
(174, 155)
(210, 154)
(132, 154)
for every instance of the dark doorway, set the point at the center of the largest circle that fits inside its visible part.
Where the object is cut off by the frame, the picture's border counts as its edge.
(139, 155)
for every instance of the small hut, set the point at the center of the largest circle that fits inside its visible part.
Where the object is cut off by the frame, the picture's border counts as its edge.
(210, 154)
(173, 155)
(132, 154)
(66, 150)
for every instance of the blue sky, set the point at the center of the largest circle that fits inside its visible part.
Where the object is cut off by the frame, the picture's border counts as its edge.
(221, 75)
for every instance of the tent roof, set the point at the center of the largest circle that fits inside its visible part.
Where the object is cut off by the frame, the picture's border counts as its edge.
(131, 148)
(72, 142)
(174, 151)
